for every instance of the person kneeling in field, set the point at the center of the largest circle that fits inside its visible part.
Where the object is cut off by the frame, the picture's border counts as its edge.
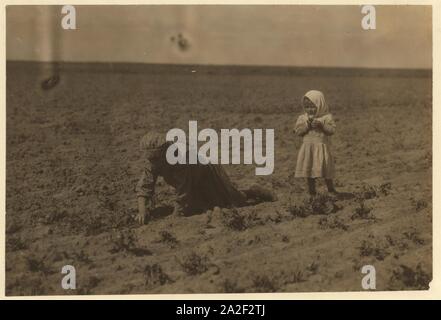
(200, 187)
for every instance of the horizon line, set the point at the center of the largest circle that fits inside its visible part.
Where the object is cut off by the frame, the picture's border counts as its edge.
(219, 65)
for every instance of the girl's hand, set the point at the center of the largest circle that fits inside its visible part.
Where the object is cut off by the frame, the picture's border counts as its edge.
(316, 124)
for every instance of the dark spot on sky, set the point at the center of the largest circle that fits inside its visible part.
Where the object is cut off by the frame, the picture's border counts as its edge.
(182, 42)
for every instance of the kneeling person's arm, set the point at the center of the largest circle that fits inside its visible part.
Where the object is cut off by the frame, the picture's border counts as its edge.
(145, 190)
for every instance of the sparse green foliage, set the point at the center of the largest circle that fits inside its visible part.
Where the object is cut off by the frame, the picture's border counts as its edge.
(333, 223)
(234, 220)
(322, 204)
(154, 275)
(385, 188)
(367, 192)
(371, 248)
(370, 192)
(409, 277)
(363, 212)
(194, 264)
(123, 241)
(263, 283)
(313, 267)
(230, 286)
(168, 238)
(419, 204)
(298, 211)
(15, 244)
(37, 264)
(126, 241)
(413, 236)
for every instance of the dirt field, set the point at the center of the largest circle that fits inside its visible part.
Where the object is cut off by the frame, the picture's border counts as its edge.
(73, 162)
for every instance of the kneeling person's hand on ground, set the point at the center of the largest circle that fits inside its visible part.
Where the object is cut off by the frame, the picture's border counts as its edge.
(143, 214)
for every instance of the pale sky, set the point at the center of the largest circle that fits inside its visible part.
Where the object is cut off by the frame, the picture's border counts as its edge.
(245, 35)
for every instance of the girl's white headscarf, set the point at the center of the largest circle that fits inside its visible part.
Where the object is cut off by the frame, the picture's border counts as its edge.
(318, 99)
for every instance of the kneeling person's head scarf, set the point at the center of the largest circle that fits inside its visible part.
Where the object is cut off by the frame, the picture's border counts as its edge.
(151, 140)
(151, 144)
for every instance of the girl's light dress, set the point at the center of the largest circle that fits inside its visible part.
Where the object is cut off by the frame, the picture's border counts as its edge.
(314, 159)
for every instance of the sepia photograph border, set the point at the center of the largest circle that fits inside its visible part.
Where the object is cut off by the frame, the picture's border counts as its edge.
(435, 286)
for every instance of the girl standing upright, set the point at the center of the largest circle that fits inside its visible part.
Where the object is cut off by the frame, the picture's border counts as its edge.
(316, 126)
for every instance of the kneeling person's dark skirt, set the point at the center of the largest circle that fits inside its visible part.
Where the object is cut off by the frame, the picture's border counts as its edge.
(199, 187)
